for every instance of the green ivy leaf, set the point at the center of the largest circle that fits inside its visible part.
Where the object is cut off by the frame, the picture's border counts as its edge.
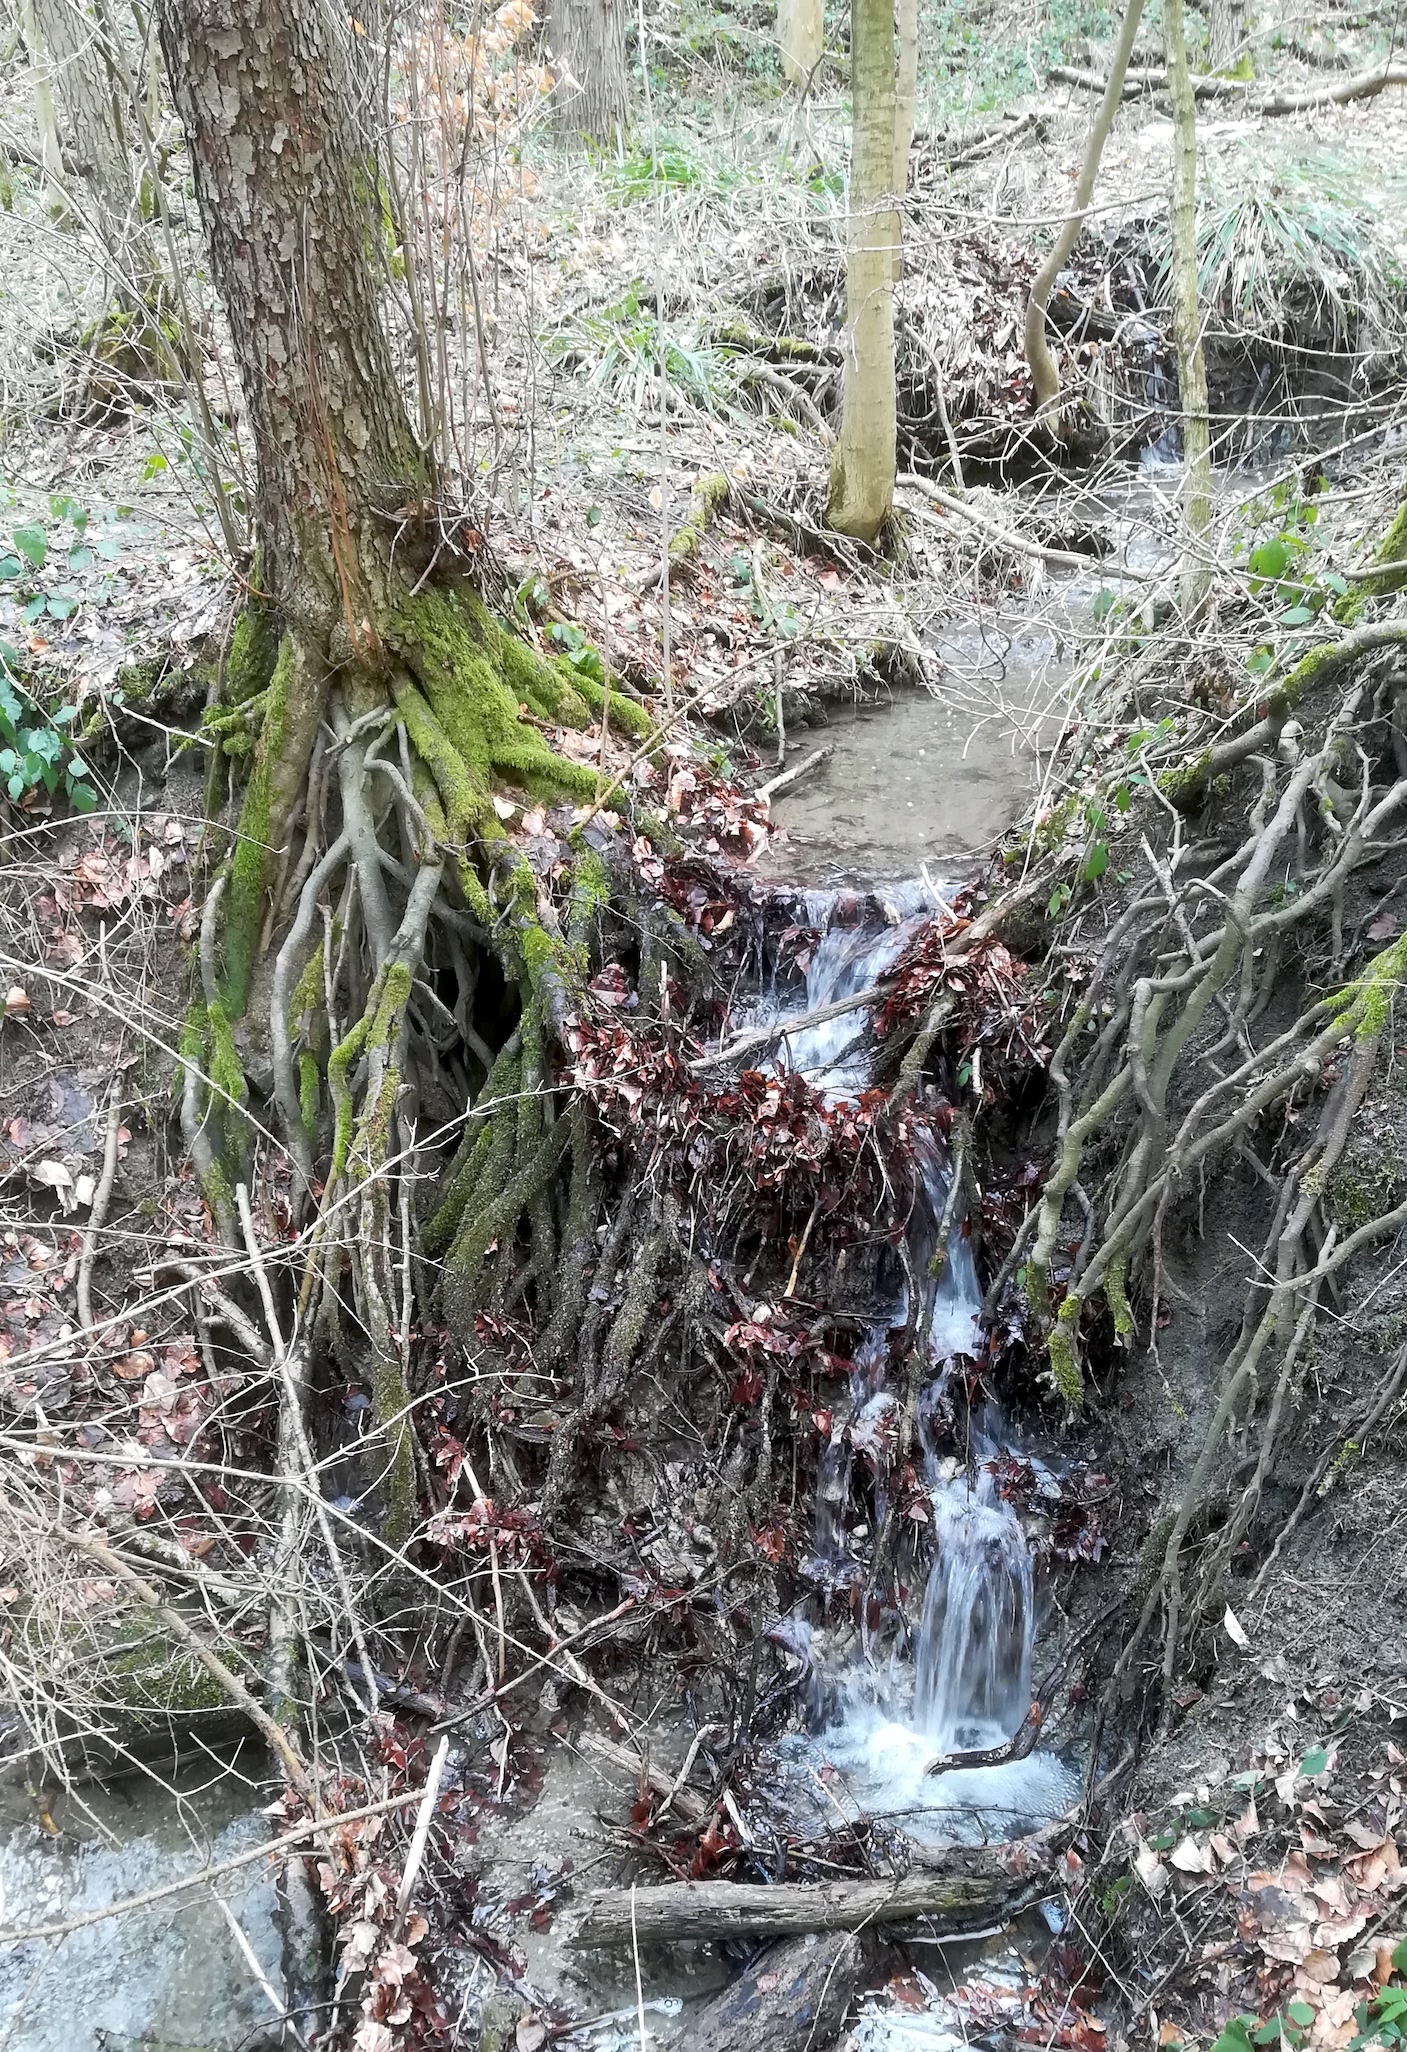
(1399, 1958)
(82, 798)
(1314, 1761)
(1271, 559)
(1237, 2035)
(1297, 616)
(32, 545)
(1300, 2013)
(1096, 862)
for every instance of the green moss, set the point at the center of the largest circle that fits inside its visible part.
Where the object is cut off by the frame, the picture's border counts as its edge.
(309, 1089)
(339, 1064)
(1365, 1005)
(625, 716)
(1064, 1360)
(254, 651)
(474, 677)
(391, 1001)
(1391, 549)
(307, 991)
(492, 1128)
(707, 496)
(1152, 1554)
(374, 1135)
(1184, 785)
(249, 863)
(1116, 1295)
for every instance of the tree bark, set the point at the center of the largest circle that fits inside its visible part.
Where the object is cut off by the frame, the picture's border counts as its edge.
(1226, 37)
(801, 34)
(1187, 326)
(906, 94)
(288, 204)
(862, 469)
(586, 45)
(1044, 374)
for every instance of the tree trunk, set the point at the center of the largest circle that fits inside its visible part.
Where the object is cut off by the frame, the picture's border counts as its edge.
(97, 98)
(862, 469)
(1044, 374)
(1226, 38)
(586, 45)
(801, 35)
(906, 97)
(1187, 325)
(358, 637)
(45, 117)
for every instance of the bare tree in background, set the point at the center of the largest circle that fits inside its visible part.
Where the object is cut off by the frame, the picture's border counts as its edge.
(906, 98)
(100, 116)
(863, 466)
(1044, 374)
(45, 113)
(586, 43)
(1187, 326)
(1226, 37)
(801, 35)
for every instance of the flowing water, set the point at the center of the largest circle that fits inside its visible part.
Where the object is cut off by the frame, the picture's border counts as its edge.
(175, 1976)
(953, 1674)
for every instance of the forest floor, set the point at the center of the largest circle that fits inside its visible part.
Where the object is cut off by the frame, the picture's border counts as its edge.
(714, 239)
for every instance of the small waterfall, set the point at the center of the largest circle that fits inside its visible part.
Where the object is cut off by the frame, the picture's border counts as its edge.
(960, 1678)
(973, 1685)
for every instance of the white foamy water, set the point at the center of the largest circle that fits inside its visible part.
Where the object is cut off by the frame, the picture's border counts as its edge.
(958, 1679)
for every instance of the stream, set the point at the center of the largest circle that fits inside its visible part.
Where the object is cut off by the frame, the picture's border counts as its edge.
(912, 787)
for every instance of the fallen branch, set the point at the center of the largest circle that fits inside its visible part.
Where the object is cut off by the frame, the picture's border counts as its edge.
(977, 1886)
(774, 786)
(991, 139)
(1064, 559)
(779, 1029)
(102, 1197)
(1014, 1748)
(792, 1998)
(691, 1808)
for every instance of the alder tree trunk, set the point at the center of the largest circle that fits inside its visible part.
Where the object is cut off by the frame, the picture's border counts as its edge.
(862, 469)
(586, 44)
(1044, 375)
(1187, 322)
(801, 37)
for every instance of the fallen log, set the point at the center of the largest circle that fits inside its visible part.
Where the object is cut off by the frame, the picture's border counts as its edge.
(1248, 93)
(970, 1888)
(793, 1998)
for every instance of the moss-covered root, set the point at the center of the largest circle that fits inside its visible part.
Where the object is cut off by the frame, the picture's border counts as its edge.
(291, 706)
(1391, 554)
(1063, 1348)
(707, 498)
